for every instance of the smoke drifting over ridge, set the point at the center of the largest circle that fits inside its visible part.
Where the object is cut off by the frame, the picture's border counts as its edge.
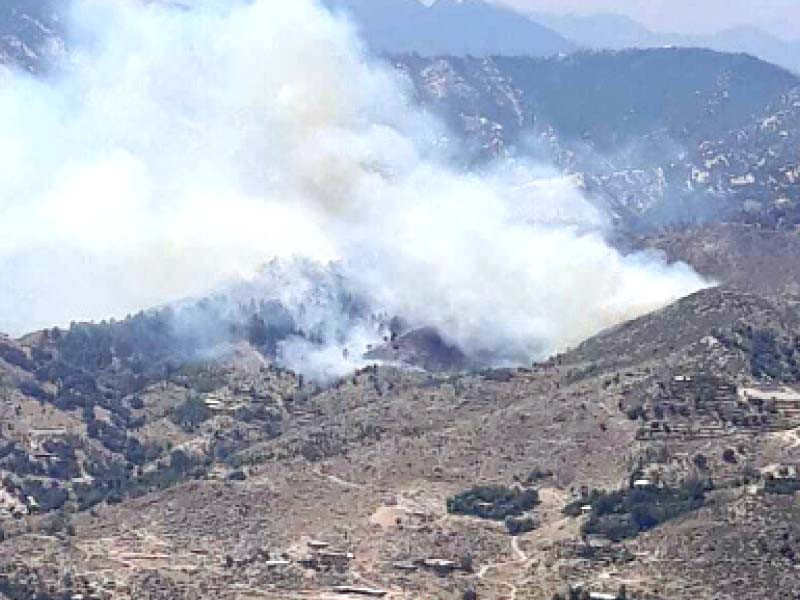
(177, 149)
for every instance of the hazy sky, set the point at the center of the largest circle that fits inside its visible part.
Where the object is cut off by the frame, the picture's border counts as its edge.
(780, 17)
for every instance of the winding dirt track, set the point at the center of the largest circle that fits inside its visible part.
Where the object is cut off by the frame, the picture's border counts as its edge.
(338, 480)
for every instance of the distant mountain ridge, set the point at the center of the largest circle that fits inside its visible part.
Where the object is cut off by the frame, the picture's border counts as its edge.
(476, 28)
(616, 32)
(465, 28)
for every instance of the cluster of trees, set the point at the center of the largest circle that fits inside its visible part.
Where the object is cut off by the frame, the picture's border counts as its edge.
(578, 593)
(16, 357)
(494, 502)
(48, 497)
(623, 514)
(190, 414)
(785, 486)
(770, 356)
(519, 525)
(92, 366)
(116, 480)
(17, 461)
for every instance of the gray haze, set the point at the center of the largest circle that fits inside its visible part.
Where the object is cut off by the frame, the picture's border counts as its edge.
(181, 149)
(778, 17)
(545, 28)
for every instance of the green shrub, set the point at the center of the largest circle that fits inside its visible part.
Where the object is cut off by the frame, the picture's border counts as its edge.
(787, 487)
(493, 502)
(623, 514)
(190, 414)
(519, 525)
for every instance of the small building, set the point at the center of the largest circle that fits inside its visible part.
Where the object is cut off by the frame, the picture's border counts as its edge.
(277, 563)
(330, 557)
(46, 456)
(439, 565)
(359, 591)
(643, 484)
(780, 472)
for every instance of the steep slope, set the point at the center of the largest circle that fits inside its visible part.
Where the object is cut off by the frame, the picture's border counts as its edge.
(29, 33)
(750, 257)
(689, 332)
(657, 136)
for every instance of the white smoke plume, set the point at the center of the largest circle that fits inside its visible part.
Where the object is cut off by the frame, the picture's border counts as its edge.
(178, 149)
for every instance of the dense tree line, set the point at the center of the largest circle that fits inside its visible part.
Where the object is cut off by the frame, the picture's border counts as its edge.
(625, 513)
(493, 502)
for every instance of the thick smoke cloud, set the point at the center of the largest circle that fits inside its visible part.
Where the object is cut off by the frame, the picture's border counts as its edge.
(176, 150)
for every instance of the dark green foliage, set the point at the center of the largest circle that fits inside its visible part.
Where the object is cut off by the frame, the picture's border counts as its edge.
(22, 590)
(48, 496)
(519, 525)
(35, 390)
(64, 469)
(18, 461)
(537, 475)
(90, 494)
(140, 454)
(635, 413)
(623, 514)
(115, 481)
(202, 378)
(770, 356)
(238, 475)
(766, 355)
(493, 502)
(98, 372)
(111, 437)
(257, 332)
(190, 414)
(788, 487)
(16, 357)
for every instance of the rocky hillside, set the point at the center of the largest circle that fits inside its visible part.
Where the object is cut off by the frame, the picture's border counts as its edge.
(30, 33)
(662, 135)
(748, 256)
(210, 479)
(168, 456)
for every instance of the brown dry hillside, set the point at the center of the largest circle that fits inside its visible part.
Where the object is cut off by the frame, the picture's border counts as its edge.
(256, 485)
